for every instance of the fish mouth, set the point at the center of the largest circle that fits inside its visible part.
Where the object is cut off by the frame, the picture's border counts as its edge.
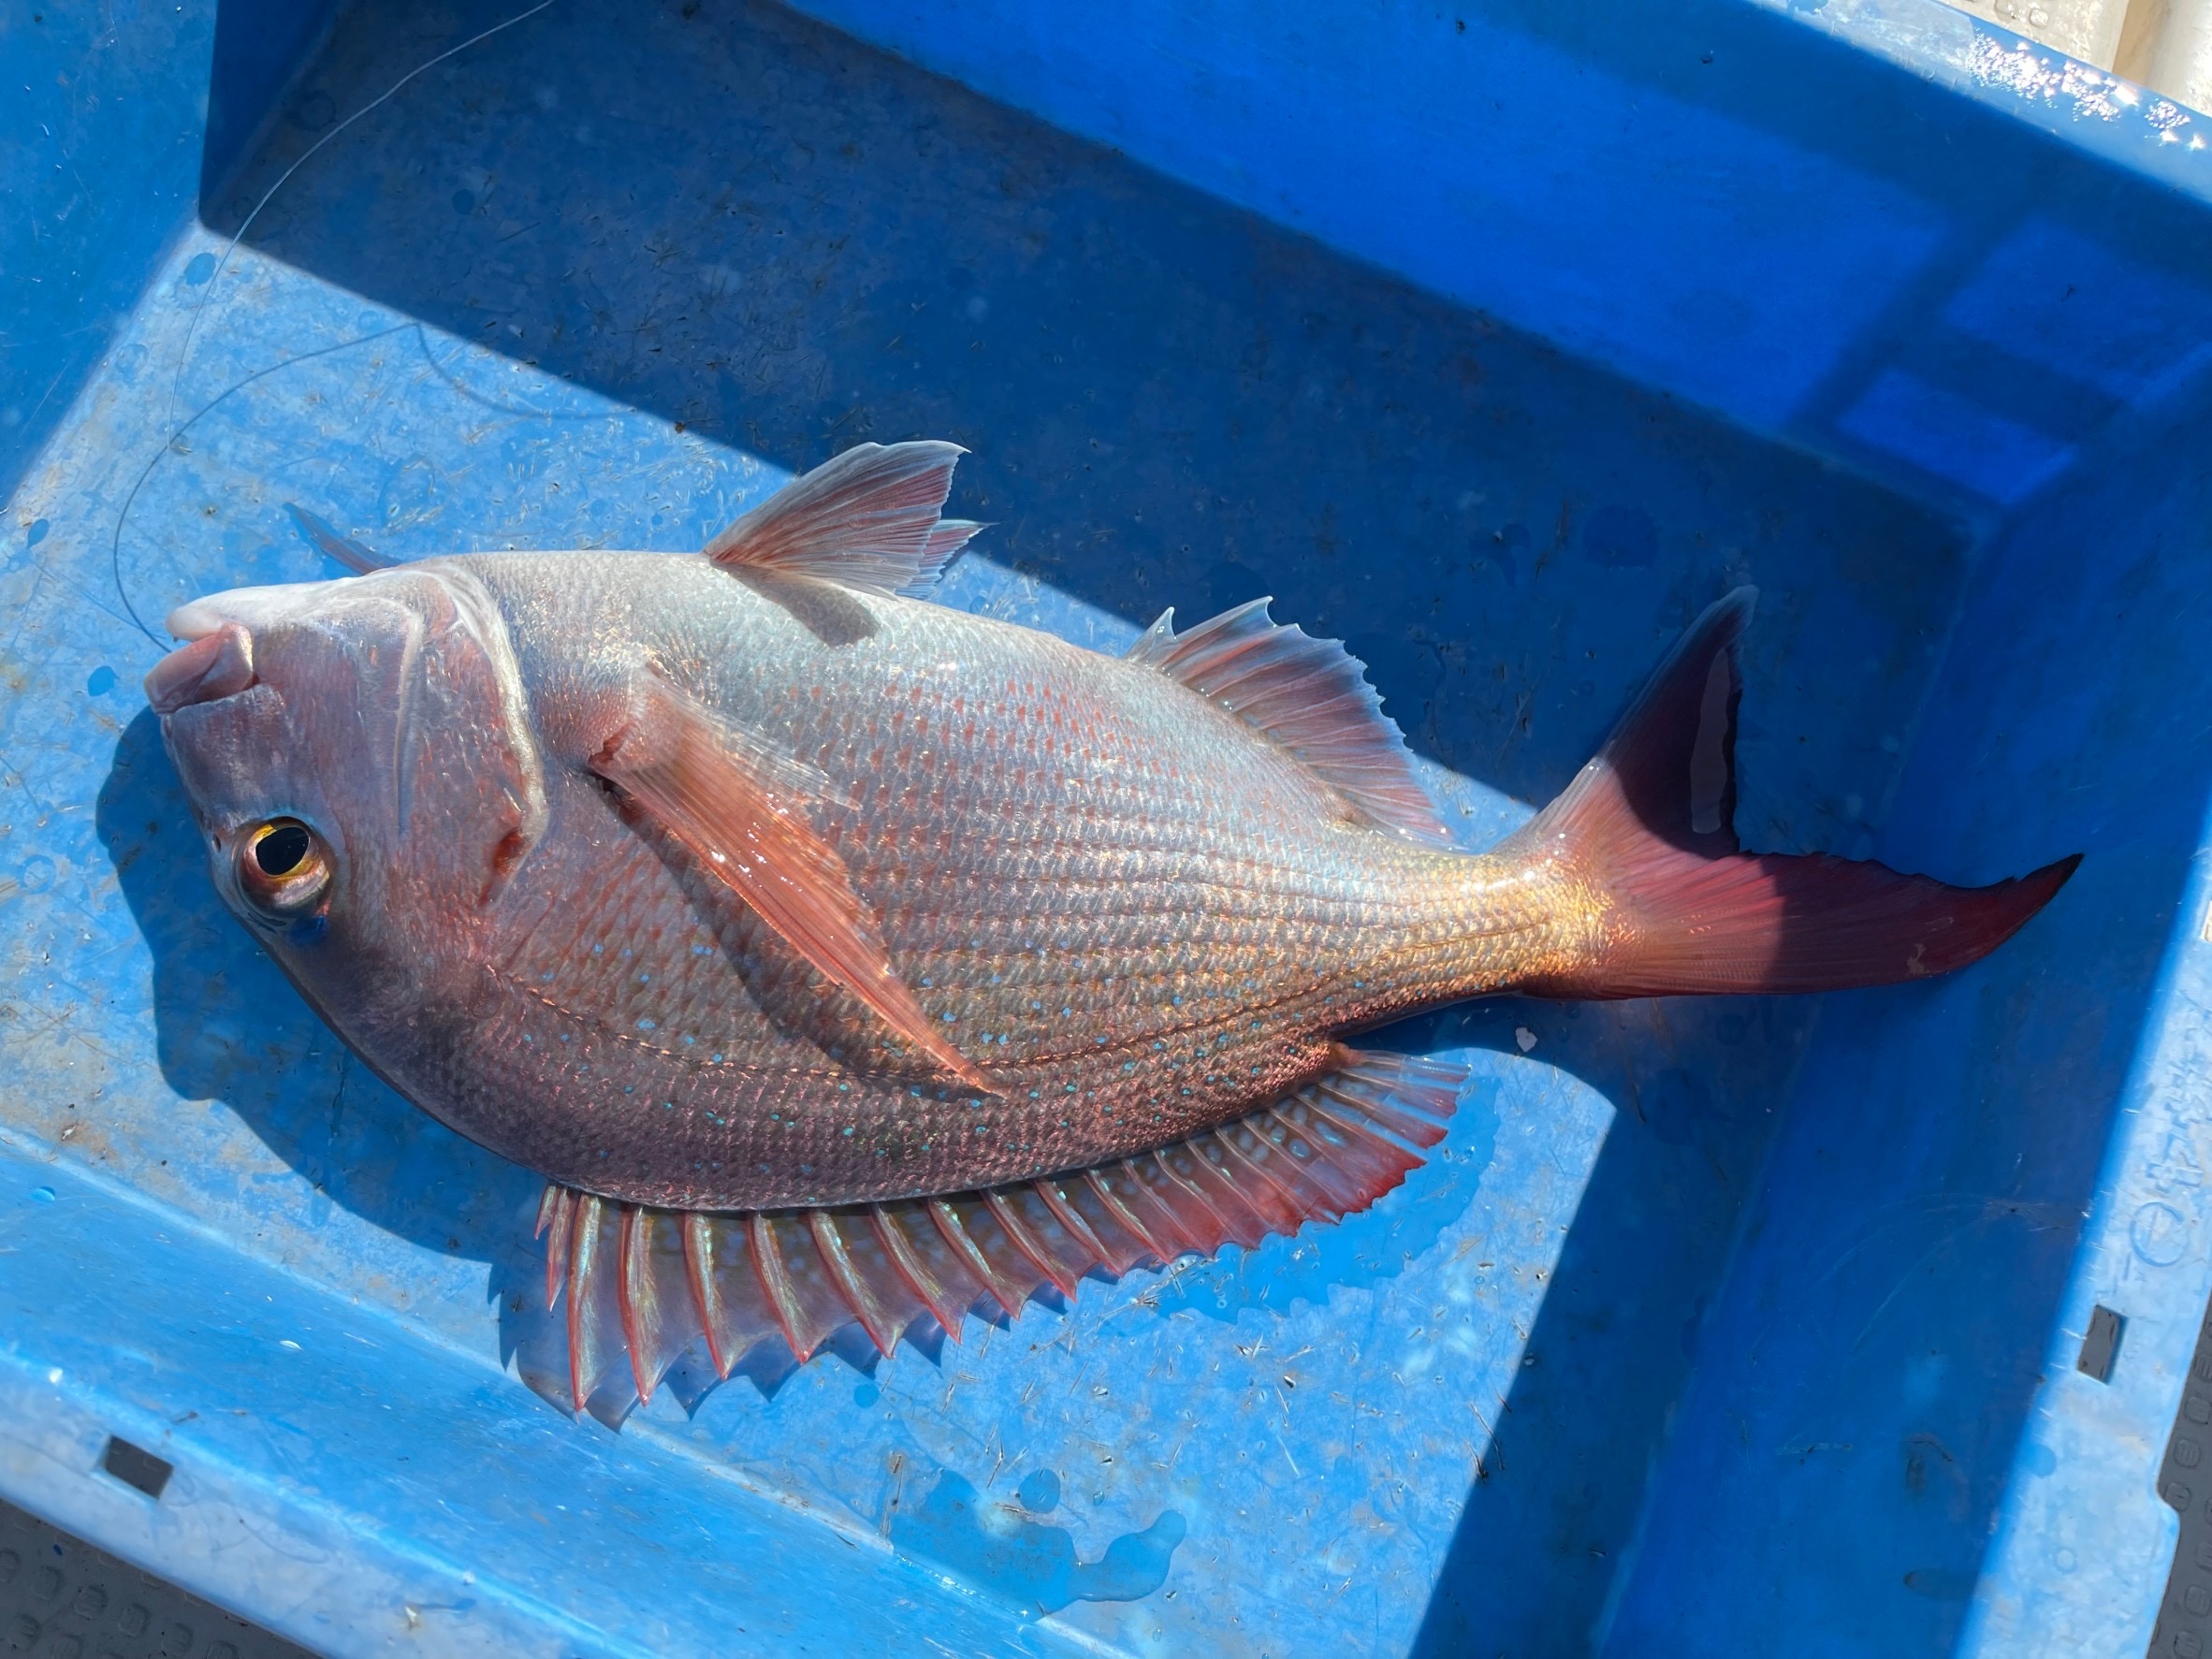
(216, 664)
(216, 660)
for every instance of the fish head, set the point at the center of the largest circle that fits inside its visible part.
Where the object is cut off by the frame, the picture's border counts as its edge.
(360, 758)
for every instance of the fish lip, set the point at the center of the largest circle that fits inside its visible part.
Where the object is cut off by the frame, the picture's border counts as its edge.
(211, 665)
(249, 607)
(191, 621)
(216, 660)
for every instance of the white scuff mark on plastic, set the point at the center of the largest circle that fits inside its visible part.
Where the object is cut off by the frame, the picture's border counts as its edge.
(2028, 73)
(1523, 1038)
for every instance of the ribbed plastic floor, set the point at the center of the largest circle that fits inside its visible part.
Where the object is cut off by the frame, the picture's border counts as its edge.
(60, 1598)
(2185, 1617)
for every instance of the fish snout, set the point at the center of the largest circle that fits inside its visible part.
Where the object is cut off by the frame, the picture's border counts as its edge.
(215, 665)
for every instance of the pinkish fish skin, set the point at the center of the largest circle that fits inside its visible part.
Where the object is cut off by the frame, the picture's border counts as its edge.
(1137, 913)
(1016, 908)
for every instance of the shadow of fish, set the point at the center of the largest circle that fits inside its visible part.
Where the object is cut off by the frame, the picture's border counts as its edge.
(838, 958)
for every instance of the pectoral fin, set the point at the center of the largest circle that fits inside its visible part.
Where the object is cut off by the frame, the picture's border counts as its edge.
(743, 814)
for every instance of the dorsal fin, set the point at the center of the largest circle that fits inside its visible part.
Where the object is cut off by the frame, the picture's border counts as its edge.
(652, 1282)
(867, 520)
(1310, 695)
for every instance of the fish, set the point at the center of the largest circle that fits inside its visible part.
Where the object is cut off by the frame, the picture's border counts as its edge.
(841, 959)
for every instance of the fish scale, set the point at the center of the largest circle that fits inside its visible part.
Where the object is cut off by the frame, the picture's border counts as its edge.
(1114, 913)
(1146, 901)
(839, 957)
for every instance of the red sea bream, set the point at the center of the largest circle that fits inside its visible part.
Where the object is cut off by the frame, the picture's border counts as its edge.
(837, 956)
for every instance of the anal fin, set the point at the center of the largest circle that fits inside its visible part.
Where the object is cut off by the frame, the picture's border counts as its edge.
(725, 1292)
(651, 1283)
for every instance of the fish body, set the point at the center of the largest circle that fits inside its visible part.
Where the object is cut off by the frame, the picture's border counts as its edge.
(1134, 910)
(744, 886)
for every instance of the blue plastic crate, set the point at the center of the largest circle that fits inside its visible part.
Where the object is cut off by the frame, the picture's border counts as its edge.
(1495, 338)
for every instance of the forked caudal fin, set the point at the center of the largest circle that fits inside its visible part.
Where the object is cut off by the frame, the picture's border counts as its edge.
(1648, 830)
(641, 1286)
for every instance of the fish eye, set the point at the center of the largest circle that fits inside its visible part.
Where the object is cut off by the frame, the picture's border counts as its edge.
(284, 868)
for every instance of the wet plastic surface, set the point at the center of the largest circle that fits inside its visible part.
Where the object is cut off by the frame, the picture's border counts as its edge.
(1713, 1327)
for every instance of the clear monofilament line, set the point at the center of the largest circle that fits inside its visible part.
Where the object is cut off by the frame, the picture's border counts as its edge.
(171, 431)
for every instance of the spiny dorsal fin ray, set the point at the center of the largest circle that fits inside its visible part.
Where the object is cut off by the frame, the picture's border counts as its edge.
(867, 520)
(1310, 695)
(651, 1283)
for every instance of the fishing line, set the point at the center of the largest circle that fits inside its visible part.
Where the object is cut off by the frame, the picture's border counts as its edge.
(192, 324)
(115, 543)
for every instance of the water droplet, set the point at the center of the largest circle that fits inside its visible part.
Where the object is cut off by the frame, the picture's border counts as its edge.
(1039, 1492)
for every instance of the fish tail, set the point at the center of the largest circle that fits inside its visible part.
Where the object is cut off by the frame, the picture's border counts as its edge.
(1644, 840)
